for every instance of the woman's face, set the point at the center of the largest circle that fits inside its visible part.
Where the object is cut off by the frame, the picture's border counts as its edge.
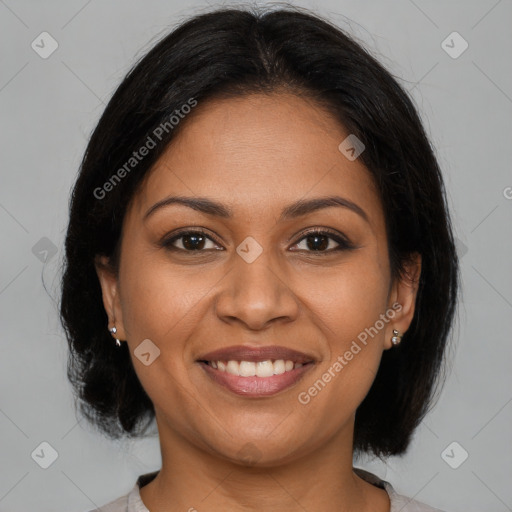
(256, 279)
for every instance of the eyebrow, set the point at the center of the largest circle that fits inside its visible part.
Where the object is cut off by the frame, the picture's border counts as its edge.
(294, 210)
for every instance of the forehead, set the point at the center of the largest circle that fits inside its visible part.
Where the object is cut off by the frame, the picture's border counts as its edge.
(259, 151)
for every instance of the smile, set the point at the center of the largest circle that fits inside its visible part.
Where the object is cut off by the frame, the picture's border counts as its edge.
(261, 369)
(255, 371)
(253, 379)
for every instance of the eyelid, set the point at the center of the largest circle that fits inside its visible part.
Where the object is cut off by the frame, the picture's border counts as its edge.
(321, 230)
(168, 239)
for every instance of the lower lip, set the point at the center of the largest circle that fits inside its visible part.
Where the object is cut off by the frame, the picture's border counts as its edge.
(256, 386)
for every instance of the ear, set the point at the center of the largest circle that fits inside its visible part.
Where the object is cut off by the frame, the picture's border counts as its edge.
(111, 301)
(402, 298)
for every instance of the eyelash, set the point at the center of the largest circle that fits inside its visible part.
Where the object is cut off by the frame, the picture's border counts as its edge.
(343, 243)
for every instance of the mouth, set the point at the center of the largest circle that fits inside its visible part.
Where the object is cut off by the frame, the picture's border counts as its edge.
(258, 372)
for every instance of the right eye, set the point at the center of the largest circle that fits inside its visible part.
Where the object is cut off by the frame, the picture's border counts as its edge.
(190, 241)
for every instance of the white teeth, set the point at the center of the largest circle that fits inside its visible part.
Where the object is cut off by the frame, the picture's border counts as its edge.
(258, 369)
(247, 369)
(278, 367)
(233, 367)
(264, 369)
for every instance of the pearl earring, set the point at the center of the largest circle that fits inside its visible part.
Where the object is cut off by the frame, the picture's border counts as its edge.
(113, 331)
(396, 338)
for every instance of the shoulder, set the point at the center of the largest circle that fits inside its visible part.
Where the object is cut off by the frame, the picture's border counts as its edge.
(118, 505)
(399, 503)
(130, 502)
(405, 504)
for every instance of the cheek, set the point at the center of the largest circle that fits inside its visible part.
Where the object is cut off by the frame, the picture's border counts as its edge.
(159, 300)
(349, 298)
(160, 303)
(349, 303)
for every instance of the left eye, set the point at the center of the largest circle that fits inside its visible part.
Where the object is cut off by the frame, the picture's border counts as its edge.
(320, 241)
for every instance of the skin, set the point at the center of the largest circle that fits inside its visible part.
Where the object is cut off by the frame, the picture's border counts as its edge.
(256, 154)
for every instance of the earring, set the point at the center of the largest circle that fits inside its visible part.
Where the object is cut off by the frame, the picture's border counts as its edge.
(113, 331)
(396, 338)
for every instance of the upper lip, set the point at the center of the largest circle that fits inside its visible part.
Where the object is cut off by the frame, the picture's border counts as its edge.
(245, 353)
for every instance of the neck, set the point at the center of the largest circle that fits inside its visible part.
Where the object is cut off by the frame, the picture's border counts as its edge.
(192, 479)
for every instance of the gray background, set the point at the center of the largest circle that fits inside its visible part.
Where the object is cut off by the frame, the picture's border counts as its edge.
(49, 107)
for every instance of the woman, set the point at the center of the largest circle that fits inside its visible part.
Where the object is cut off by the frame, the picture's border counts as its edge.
(260, 224)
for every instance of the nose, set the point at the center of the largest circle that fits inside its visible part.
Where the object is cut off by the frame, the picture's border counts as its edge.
(256, 295)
